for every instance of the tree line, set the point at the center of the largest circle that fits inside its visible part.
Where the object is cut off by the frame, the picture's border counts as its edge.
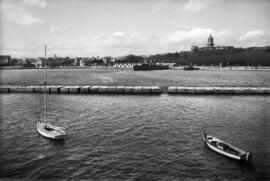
(234, 57)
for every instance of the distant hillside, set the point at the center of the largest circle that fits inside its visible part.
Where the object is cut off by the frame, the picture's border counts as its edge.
(253, 56)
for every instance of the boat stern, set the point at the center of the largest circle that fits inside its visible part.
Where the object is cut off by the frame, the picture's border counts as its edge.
(60, 137)
(204, 136)
(61, 134)
(247, 156)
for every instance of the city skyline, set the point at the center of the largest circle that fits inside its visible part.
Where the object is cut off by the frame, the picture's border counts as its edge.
(118, 27)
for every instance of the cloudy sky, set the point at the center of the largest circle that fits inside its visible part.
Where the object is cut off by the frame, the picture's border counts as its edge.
(121, 27)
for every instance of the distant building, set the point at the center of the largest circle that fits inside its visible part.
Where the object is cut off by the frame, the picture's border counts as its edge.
(81, 63)
(194, 48)
(38, 63)
(5, 60)
(210, 46)
(170, 65)
(210, 43)
(123, 65)
(76, 61)
(224, 47)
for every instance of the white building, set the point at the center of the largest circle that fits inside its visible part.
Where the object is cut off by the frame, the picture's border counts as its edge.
(123, 65)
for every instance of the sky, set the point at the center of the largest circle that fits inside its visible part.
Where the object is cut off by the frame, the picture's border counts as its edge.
(86, 28)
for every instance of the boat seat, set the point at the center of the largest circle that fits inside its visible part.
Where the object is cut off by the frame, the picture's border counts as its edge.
(213, 143)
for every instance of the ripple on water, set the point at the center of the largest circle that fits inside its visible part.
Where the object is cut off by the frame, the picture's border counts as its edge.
(134, 137)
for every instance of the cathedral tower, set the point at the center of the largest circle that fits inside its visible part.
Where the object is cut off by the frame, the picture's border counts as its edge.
(210, 44)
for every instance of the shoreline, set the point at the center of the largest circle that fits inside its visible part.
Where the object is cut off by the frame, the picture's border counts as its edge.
(201, 68)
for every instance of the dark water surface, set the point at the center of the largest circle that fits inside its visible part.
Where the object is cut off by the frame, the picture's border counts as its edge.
(134, 137)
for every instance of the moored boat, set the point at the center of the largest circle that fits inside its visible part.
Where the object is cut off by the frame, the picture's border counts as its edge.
(226, 149)
(45, 129)
(191, 67)
(50, 131)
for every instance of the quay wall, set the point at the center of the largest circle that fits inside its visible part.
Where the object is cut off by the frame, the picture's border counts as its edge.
(134, 90)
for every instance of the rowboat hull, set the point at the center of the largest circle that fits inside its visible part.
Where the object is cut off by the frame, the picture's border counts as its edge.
(50, 131)
(226, 149)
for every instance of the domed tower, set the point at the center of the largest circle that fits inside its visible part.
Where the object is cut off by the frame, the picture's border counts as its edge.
(210, 44)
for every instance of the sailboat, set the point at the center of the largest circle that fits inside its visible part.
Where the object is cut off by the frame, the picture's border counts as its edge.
(45, 129)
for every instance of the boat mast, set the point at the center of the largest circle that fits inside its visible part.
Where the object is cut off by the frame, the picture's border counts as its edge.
(45, 91)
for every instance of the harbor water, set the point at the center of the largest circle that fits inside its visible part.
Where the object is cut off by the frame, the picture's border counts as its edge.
(114, 137)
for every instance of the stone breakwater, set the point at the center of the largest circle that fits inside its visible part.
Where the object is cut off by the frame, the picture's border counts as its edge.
(219, 90)
(134, 90)
(83, 89)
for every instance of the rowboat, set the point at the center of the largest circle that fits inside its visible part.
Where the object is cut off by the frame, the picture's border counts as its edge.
(226, 149)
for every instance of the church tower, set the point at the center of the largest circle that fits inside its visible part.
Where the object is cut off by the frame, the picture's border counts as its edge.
(210, 44)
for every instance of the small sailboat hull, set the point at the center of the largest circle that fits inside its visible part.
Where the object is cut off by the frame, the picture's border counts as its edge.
(226, 149)
(50, 131)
